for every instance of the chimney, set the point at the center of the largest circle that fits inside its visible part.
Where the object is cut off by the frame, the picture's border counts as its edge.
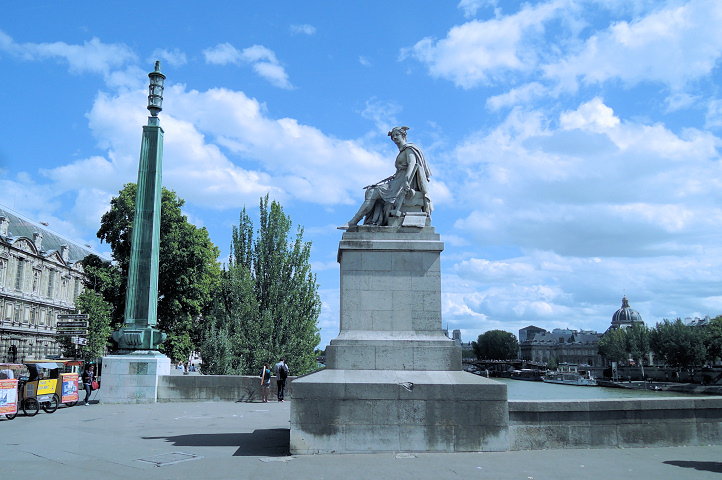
(65, 252)
(38, 239)
(4, 224)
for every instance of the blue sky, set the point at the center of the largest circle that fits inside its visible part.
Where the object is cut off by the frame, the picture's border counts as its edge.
(575, 145)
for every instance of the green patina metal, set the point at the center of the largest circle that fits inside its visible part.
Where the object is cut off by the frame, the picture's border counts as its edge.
(141, 301)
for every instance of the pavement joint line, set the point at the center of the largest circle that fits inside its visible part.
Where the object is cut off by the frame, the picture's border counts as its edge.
(173, 458)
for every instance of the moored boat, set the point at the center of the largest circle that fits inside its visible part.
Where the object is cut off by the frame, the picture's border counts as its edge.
(528, 374)
(569, 374)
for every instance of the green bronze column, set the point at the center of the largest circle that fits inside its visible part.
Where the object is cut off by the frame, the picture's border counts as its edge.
(141, 300)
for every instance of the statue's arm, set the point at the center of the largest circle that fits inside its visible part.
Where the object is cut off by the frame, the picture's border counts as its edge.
(410, 168)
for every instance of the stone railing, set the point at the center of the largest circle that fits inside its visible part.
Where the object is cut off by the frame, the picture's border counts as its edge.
(533, 425)
(671, 421)
(194, 387)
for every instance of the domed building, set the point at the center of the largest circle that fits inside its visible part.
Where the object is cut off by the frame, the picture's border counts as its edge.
(625, 316)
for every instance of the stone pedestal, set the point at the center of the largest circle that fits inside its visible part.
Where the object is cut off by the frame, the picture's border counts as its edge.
(132, 378)
(393, 380)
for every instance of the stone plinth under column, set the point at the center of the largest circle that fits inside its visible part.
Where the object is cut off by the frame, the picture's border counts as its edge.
(372, 411)
(132, 378)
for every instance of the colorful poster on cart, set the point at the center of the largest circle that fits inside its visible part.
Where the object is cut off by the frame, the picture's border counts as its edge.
(70, 388)
(8, 396)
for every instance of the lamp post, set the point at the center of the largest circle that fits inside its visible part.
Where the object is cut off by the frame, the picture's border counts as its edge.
(138, 332)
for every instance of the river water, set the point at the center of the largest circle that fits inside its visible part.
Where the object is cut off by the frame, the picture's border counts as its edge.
(522, 390)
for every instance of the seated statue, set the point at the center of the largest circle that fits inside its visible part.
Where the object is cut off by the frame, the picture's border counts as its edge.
(408, 186)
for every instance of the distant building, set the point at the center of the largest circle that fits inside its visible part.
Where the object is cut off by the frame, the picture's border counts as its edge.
(40, 277)
(455, 336)
(564, 345)
(697, 322)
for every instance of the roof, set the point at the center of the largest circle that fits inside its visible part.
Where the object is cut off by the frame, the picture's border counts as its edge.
(22, 226)
(625, 316)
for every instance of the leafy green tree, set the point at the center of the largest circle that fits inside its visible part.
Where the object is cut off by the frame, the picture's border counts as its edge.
(188, 268)
(713, 339)
(496, 345)
(268, 303)
(638, 343)
(106, 279)
(99, 313)
(678, 345)
(613, 345)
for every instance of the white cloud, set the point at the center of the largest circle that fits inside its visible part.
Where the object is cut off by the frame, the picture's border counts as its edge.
(596, 186)
(92, 56)
(304, 29)
(672, 45)
(713, 118)
(516, 96)
(222, 151)
(263, 61)
(383, 114)
(174, 57)
(470, 7)
(364, 61)
(555, 45)
(592, 115)
(484, 52)
(222, 54)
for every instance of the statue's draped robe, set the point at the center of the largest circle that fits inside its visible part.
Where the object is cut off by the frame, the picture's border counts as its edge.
(394, 191)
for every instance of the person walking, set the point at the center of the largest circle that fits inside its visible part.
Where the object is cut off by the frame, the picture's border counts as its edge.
(281, 370)
(265, 382)
(88, 377)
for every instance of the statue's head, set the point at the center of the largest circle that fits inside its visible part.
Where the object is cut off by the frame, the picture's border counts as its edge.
(401, 130)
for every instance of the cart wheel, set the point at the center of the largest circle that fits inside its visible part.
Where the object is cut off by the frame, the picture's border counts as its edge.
(52, 405)
(71, 404)
(31, 407)
(10, 416)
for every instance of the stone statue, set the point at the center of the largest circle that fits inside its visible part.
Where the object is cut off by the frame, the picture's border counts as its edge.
(405, 191)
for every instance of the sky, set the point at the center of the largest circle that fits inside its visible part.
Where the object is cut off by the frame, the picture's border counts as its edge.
(574, 144)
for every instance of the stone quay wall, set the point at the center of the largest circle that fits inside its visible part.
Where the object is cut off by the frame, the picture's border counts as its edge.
(533, 425)
(649, 422)
(236, 388)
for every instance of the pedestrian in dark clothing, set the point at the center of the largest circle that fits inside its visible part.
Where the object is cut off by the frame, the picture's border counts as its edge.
(281, 370)
(88, 377)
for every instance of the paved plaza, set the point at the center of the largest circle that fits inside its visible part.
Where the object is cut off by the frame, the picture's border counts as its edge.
(220, 440)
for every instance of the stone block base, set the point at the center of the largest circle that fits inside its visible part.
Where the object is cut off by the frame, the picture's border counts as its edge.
(132, 378)
(367, 411)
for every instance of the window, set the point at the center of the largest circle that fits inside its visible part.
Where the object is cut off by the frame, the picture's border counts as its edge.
(19, 276)
(51, 279)
(36, 281)
(77, 289)
(3, 265)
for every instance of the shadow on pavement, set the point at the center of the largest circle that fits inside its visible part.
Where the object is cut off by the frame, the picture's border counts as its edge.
(715, 467)
(263, 443)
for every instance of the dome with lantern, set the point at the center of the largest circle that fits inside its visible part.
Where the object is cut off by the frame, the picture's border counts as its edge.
(626, 316)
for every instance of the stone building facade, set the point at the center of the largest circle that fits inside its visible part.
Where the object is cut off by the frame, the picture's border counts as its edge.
(40, 278)
(579, 347)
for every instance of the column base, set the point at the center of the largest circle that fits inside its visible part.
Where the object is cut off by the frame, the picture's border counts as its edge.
(132, 378)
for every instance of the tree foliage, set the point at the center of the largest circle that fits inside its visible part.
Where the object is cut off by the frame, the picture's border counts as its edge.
(188, 268)
(496, 345)
(99, 314)
(713, 338)
(267, 305)
(613, 345)
(638, 343)
(679, 345)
